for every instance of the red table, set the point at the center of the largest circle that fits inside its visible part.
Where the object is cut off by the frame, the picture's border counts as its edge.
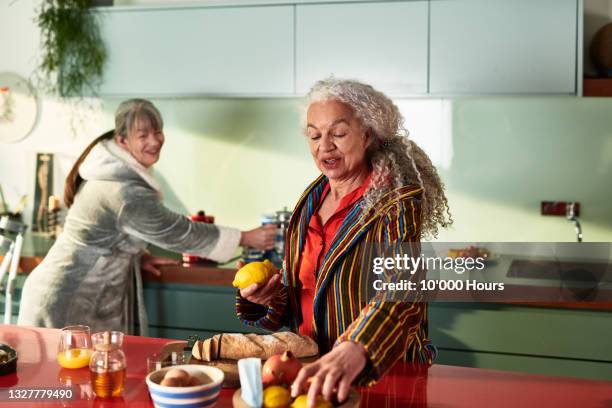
(404, 386)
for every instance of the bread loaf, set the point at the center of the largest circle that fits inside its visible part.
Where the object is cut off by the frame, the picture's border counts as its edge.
(234, 346)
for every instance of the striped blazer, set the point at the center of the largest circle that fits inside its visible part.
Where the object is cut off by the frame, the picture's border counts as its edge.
(344, 308)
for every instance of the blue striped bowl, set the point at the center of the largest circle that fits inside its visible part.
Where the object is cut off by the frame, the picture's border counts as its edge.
(186, 397)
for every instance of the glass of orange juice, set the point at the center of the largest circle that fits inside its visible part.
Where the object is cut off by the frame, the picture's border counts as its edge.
(75, 347)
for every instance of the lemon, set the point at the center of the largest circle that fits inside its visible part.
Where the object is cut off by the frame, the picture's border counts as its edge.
(276, 396)
(302, 402)
(254, 272)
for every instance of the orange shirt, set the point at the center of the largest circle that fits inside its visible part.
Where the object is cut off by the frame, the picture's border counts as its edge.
(318, 240)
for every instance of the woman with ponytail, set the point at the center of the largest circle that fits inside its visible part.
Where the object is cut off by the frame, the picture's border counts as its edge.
(91, 275)
(378, 194)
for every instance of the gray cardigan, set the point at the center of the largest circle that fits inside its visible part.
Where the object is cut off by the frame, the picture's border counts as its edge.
(91, 275)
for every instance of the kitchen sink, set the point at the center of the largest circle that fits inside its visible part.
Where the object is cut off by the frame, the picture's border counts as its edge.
(561, 270)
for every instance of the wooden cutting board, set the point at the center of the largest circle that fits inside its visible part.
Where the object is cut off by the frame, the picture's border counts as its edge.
(351, 402)
(230, 369)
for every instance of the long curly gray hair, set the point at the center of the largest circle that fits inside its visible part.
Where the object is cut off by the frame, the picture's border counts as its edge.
(395, 160)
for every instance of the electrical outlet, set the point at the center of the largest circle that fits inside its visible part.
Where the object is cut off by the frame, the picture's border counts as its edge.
(558, 208)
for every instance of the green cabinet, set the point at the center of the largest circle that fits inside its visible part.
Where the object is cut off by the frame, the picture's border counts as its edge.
(234, 51)
(178, 311)
(504, 47)
(565, 342)
(404, 48)
(383, 44)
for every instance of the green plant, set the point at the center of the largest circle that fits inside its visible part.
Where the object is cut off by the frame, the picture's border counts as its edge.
(73, 53)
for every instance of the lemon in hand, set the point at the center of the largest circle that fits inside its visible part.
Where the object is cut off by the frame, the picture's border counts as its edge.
(254, 272)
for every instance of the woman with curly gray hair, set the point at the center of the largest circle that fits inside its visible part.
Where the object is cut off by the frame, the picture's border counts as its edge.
(395, 160)
(377, 189)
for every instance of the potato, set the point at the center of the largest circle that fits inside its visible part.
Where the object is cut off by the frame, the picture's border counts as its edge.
(194, 381)
(182, 375)
(171, 382)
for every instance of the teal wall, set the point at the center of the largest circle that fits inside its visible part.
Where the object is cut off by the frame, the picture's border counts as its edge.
(239, 158)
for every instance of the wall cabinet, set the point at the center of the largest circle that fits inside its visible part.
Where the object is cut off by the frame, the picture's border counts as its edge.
(503, 47)
(195, 51)
(383, 44)
(404, 48)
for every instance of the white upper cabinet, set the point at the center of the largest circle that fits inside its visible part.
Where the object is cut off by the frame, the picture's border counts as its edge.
(199, 51)
(503, 47)
(382, 43)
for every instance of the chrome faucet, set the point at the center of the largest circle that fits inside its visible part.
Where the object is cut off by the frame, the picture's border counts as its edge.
(570, 214)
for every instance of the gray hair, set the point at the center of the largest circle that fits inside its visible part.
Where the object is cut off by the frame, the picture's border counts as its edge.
(395, 160)
(131, 111)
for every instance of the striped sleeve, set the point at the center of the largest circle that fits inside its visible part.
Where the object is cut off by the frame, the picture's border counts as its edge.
(390, 321)
(272, 317)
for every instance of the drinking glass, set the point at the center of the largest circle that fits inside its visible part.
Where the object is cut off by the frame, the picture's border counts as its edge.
(75, 347)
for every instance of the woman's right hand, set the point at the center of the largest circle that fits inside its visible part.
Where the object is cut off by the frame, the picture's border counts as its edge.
(262, 295)
(261, 238)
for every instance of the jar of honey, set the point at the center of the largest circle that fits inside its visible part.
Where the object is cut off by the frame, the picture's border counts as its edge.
(108, 364)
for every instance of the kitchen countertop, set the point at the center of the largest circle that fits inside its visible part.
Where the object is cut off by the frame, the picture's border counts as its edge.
(404, 386)
(194, 274)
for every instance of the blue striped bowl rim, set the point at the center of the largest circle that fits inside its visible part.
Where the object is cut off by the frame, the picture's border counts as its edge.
(185, 397)
(195, 394)
(202, 404)
(172, 401)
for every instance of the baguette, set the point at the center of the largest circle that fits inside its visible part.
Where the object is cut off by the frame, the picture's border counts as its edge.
(234, 346)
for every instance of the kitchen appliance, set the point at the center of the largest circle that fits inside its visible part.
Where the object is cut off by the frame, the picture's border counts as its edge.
(283, 216)
(252, 255)
(271, 254)
(281, 220)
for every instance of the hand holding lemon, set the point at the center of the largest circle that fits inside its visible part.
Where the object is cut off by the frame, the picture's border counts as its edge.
(258, 282)
(254, 272)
